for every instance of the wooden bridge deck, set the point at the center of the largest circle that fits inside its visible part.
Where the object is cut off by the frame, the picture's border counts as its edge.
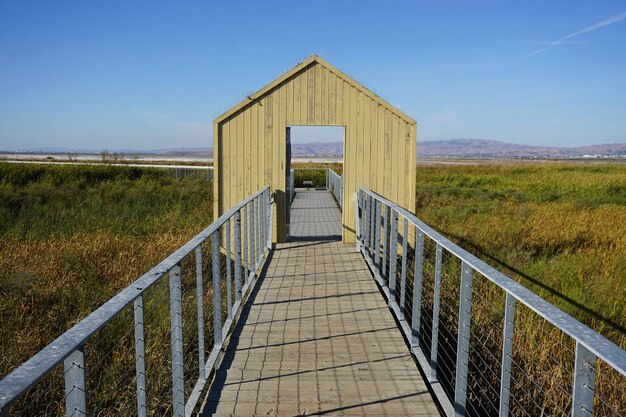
(316, 337)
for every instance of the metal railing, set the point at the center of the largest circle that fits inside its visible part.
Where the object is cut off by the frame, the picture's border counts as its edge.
(179, 171)
(117, 361)
(291, 191)
(488, 345)
(335, 185)
(331, 180)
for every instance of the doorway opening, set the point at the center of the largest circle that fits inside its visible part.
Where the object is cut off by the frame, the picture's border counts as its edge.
(314, 182)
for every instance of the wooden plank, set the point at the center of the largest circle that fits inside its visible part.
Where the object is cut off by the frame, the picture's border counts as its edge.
(332, 98)
(276, 158)
(380, 145)
(366, 126)
(323, 95)
(345, 87)
(269, 144)
(362, 166)
(297, 104)
(304, 98)
(318, 340)
(217, 176)
(238, 158)
(374, 144)
(399, 157)
(412, 166)
(281, 162)
(262, 144)
(354, 169)
(318, 95)
(339, 116)
(254, 149)
(226, 164)
(289, 103)
(247, 154)
(408, 189)
(386, 191)
(311, 95)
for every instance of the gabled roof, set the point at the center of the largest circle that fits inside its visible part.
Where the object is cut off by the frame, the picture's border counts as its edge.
(301, 67)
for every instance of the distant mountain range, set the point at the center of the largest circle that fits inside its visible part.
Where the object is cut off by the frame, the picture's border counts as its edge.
(458, 148)
(477, 148)
(480, 148)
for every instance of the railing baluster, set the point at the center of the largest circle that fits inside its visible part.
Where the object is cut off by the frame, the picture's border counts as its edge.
(176, 320)
(393, 256)
(259, 216)
(227, 252)
(140, 357)
(75, 395)
(507, 352)
(366, 224)
(253, 236)
(245, 243)
(262, 223)
(463, 341)
(584, 381)
(250, 240)
(383, 271)
(436, 299)
(376, 233)
(268, 217)
(216, 269)
(270, 222)
(405, 239)
(259, 222)
(416, 313)
(237, 235)
(200, 302)
(357, 223)
(370, 226)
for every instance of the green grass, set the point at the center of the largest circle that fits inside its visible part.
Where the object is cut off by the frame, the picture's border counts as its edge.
(559, 229)
(318, 176)
(71, 237)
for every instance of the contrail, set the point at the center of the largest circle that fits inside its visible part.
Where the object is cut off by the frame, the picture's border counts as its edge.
(591, 28)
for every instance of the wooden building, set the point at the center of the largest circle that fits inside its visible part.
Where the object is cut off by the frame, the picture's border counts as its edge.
(250, 141)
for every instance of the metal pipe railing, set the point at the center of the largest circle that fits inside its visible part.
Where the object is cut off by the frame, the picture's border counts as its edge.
(227, 263)
(335, 185)
(291, 192)
(488, 345)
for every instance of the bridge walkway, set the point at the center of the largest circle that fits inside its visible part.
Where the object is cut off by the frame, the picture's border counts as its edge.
(316, 336)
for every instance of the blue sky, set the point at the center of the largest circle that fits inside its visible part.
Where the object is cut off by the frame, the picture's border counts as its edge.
(154, 74)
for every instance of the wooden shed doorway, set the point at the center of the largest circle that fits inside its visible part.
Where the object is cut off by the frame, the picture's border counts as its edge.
(249, 146)
(315, 149)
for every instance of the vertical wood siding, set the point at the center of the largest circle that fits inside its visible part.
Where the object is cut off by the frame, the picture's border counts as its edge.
(379, 143)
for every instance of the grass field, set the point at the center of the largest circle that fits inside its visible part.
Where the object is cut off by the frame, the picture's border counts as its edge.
(73, 236)
(559, 229)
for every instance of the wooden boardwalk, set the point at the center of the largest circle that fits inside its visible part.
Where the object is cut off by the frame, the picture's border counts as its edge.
(316, 337)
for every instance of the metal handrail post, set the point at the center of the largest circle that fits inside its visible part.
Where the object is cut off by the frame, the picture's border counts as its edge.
(463, 341)
(200, 302)
(140, 357)
(237, 235)
(416, 315)
(176, 320)
(75, 389)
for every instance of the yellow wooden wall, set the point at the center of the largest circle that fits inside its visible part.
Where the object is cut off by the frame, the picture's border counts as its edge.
(250, 143)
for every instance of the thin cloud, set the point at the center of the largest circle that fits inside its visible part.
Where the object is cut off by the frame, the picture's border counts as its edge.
(152, 114)
(591, 28)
